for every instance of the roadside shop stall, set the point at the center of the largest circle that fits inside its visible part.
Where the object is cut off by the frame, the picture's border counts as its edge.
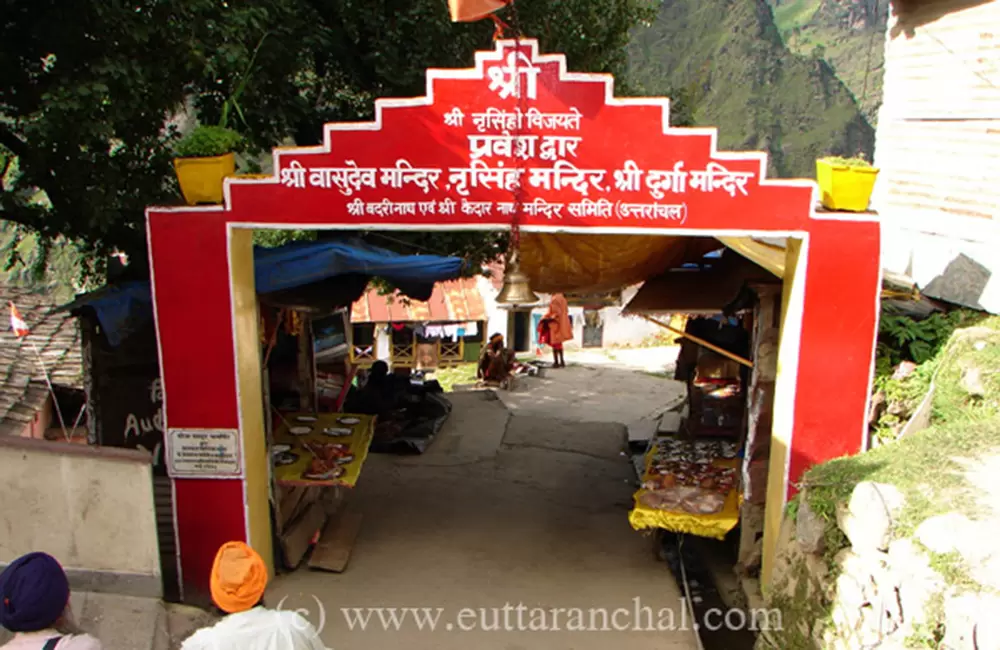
(695, 470)
(518, 143)
(317, 452)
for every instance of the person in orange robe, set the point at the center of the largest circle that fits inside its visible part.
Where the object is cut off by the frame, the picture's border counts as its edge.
(559, 326)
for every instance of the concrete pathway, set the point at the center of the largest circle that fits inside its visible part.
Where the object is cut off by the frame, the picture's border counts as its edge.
(507, 508)
(603, 393)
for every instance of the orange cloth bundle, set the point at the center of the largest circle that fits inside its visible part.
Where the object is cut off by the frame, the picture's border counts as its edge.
(239, 578)
(467, 11)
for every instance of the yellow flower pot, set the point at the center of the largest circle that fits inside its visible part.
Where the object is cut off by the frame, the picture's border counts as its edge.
(201, 178)
(845, 187)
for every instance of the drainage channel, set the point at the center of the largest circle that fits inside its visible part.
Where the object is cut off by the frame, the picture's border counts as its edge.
(705, 598)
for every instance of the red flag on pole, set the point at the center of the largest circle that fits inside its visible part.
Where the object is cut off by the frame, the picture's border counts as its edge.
(17, 323)
(467, 11)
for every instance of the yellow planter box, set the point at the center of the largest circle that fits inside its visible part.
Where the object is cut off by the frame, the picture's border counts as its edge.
(843, 187)
(201, 178)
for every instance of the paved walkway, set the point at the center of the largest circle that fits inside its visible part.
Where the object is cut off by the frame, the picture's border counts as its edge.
(605, 393)
(522, 500)
(507, 508)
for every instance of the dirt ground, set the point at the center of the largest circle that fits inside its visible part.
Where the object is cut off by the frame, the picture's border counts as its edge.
(521, 507)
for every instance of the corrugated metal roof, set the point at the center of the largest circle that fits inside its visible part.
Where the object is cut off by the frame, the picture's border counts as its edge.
(454, 301)
(57, 336)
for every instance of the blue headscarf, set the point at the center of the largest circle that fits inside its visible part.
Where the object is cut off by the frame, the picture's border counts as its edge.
(34, 592)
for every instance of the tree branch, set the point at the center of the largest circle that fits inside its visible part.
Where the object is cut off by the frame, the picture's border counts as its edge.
(8, 139)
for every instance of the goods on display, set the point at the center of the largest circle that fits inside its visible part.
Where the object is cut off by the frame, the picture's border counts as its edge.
(688, 487)
(306, 455)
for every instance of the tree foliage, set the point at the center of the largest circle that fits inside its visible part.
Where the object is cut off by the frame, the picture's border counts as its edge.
(93, 93)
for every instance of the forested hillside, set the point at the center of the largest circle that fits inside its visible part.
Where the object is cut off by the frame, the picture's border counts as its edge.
(729, 65)
(848, 34)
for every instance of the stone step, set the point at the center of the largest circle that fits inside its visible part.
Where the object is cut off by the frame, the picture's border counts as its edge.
(131, 622)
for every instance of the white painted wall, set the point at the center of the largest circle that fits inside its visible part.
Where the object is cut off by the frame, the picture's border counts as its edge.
(938, 142)
(619, 330)
(383, 342)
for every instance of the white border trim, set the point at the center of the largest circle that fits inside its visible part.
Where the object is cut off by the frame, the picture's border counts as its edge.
(788, 372)
(163, 405)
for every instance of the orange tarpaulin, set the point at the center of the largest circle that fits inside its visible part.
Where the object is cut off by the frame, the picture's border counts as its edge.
(594, 263)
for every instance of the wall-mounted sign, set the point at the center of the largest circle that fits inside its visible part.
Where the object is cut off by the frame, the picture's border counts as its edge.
(205, 453)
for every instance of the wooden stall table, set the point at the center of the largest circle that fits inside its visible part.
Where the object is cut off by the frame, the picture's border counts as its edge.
(325, 451)
(677, 519)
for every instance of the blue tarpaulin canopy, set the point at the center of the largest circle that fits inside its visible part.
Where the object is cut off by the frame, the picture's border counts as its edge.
(126, 307)
(302, 263)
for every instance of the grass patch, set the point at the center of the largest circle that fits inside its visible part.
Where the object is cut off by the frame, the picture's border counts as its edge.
(795, 14)
(930, 634)
(953, 569)
(923, 466)
(463, 373)
(926, 466)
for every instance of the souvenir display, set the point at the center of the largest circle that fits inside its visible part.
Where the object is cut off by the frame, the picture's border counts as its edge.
(285, 458)
(329, 452)
(687, 476)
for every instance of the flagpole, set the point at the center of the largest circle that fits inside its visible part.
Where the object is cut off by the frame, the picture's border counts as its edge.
(52, 390)
(22, 331)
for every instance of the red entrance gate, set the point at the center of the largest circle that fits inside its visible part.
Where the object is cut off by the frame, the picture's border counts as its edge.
(586, 162)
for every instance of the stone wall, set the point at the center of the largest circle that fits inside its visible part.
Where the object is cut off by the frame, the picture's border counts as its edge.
(877, 592)
(89, 507)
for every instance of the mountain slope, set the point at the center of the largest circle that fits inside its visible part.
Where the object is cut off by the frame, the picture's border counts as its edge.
(848, 34)
(727, 61)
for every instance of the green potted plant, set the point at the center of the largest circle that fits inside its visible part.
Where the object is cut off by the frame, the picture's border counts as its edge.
(205, 157)
(845, 183)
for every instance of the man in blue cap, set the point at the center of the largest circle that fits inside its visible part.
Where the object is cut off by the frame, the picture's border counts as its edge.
(34, 601)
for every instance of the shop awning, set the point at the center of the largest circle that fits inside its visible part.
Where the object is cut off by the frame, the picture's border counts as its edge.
(454, 301)
(333, 272)
(567, 263)
(301, 263)
(704, 290)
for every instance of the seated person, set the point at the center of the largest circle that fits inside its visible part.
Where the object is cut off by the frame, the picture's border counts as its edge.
(379, 396)
(495, 362)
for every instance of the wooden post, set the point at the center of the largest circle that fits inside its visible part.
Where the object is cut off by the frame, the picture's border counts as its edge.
(700, 341)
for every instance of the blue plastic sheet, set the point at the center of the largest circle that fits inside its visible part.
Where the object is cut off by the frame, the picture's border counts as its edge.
(124, 308)
(302, 263)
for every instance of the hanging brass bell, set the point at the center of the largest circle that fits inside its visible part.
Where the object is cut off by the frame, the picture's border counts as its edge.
(516, 289)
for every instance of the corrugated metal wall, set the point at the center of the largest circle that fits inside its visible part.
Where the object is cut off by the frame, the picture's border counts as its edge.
(938, 139)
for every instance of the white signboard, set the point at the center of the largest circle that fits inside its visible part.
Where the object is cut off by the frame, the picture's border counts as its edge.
(205, 453)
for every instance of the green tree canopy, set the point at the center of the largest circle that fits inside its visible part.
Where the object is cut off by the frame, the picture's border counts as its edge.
(93, 93)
